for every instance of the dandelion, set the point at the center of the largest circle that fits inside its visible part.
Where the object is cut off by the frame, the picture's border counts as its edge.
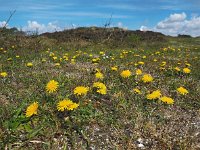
(182, 90)
(147, 78)
(187, 64)
(66, 104)
(163, 63)
(32, 109)
(81, 90)
(99, 75)
(144, 57)
(186, 70)
(101, 53)
(154, 95)
(137, 91)
(44, 60)
(29, 64)
(177, 69)
(3, 74)
(57, 64)
(138, 72)
(125, 73)
(101, 88)
(52, 86)
(9, 59)
(167, 100)
(114, 68)
(55, 58)
(141, 63)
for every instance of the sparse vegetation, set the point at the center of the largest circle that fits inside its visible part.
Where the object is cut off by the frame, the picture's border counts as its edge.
(79, 89)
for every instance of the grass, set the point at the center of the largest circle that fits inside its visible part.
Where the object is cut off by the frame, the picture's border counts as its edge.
(121, 119)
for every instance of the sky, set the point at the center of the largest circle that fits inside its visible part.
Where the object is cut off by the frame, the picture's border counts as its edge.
(170, 17)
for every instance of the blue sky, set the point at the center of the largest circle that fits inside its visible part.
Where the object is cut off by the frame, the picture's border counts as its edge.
(131, 14)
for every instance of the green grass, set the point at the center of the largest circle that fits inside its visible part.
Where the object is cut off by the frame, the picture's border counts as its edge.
(112, 121)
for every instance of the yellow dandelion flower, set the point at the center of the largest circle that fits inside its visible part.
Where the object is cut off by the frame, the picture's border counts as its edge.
(186, 70)
(177, 69)
(144, 57)
(99, 75)
(32, 109)
(138, 72)
(154, 95)
(9, 59)
(52, 86)
(155, 60)
(137, 91)
(147, 78)
(81, 90)
(44, 60)
(55, 58)
(57, 64)
(141, 63)
(29, 64)
(182, 90)
(114, 68)
(163, 63)
(66, 104)
(125, 73)
(101, 88)
(101, 53)
(167, 100)
(3, 74)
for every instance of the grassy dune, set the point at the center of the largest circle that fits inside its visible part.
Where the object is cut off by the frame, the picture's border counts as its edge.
(122, 117)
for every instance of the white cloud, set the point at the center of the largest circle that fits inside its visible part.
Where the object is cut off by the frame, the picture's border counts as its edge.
(3, 23)
(144, 28)
(121, 25)
(179, 24)
(34, 26)
(176, 17)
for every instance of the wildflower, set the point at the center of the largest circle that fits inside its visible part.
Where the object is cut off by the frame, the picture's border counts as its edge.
(167, 100)
(141, 63)
(163, 63)
(29, 64)
(187, 64)
(4, 74)
(154, 95)
(147, 78)
(101, 53)
(101, 88)
(144, 57)
(44, 60)
(9, 59)
(52, 86)
(57, 64)
(55, 58)
(155, 60)
(137, 91)
(138, 72)
(177, 69)
(125, 73)
(182, 90)
(186, 70)
(99, 75)
(66, 104)
(114, 68)
(32, 109)
(81, 90)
